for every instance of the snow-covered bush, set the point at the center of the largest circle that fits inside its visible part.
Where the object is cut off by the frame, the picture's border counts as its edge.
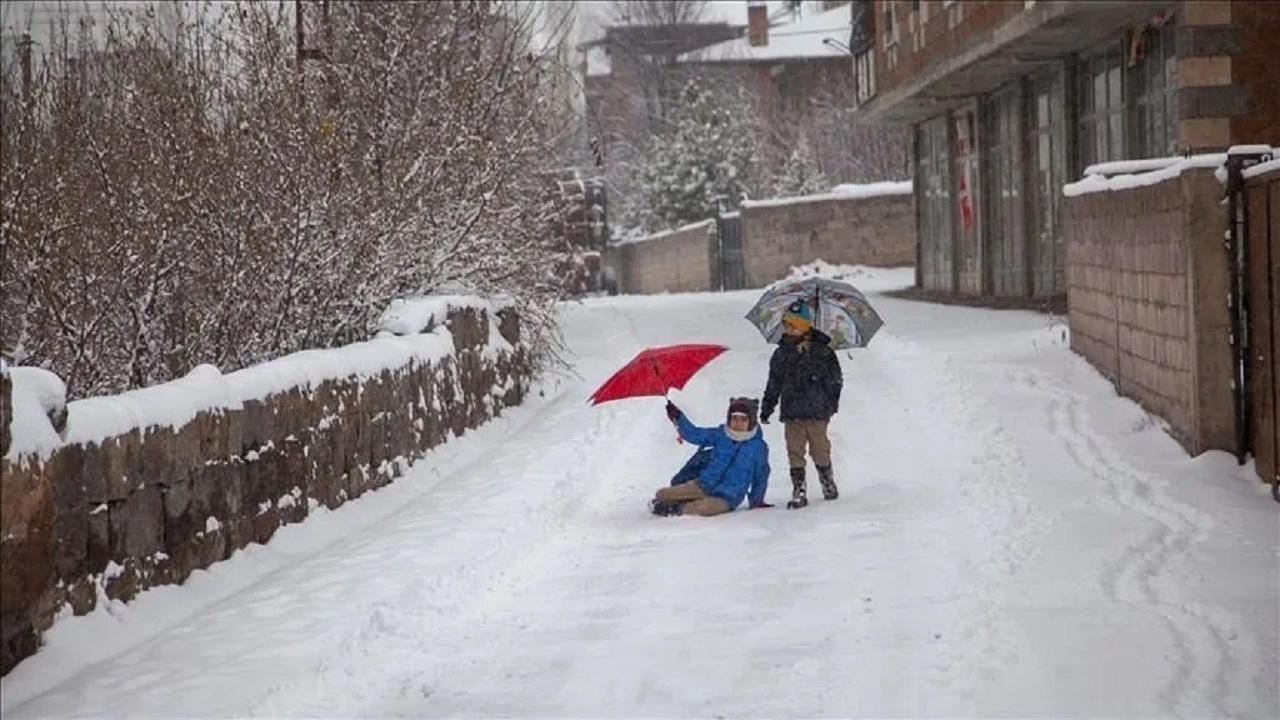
(701, 167)
(800, 174)
(177, 191)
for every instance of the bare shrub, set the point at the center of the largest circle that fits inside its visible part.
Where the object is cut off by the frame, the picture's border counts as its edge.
(179, 191)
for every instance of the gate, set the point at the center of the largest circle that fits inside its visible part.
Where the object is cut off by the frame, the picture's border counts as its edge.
(733, 275)
(1254, 245)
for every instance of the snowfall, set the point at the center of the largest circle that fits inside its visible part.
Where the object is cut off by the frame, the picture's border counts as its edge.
(1012, 539)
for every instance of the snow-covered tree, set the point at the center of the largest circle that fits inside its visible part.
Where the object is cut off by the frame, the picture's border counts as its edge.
(701, 166)
(177, 190)
(800, 174)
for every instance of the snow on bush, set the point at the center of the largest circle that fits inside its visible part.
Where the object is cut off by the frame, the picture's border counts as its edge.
(200, 206)
(800, 174)
(701, 167)
(408, 316)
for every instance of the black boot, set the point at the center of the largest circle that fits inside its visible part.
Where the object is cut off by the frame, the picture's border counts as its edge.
(826, 477)
(664, 508)
(798, 498)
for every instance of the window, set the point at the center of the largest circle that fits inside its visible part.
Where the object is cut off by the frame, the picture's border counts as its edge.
(890, 23)
(1153, 116)
(933, 178)
(968, 203)
(1102, 108)
(891, 34)
(1046, 174)
(919, 18)
(864, 72)
(1004, 217)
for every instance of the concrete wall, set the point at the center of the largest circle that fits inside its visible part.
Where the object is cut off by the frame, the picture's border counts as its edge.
(111, 518)
(777, 235)
(677, 261)
(1146, 286)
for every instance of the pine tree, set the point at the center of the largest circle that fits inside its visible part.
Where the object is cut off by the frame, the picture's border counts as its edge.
(701, 166)
(800, 175)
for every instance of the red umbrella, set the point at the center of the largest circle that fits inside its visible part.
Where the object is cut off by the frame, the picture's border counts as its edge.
(655, 371)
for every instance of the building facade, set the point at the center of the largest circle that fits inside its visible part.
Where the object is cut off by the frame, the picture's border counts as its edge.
(1010, 100)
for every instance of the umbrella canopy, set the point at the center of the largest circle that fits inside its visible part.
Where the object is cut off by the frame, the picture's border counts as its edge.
(655, 371)
(840, 311)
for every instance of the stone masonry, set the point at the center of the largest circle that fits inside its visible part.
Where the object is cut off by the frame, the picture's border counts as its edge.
(106, 520)
(877, 231)
(777, 235)
(676, 261)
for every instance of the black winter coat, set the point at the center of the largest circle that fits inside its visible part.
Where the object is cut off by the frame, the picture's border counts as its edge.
(806, 376)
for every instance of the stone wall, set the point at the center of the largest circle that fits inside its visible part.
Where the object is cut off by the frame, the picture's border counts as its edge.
(676, 261)
(109, 518)
(777, 235)
(1146, 284)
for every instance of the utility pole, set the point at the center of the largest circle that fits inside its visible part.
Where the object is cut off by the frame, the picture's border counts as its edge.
(24, 60)
(303, 52)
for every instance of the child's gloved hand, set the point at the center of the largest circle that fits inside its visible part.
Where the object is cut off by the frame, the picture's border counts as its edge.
(673, 412)
(761, 504)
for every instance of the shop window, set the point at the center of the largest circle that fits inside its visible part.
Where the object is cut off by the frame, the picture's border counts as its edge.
(1152, 68)
(1101, 98)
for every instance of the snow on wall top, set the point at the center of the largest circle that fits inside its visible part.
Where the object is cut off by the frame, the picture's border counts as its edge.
(36, 395)
(800, 40)
(666, 233)
(849, 191)
(1262, 168)
(175, 403)
(1128, 174)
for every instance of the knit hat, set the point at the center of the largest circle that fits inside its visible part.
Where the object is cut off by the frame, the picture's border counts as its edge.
(744, 406)
(799, 316)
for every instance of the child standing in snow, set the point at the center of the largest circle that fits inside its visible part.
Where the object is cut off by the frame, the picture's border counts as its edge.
(804, 373)
(732, 464)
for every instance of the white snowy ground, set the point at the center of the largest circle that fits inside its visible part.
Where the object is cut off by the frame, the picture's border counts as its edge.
(1012, 539)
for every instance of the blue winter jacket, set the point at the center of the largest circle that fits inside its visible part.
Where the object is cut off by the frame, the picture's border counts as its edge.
(732, 468)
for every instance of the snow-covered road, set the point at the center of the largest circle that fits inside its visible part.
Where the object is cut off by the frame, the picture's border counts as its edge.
(1012, 539)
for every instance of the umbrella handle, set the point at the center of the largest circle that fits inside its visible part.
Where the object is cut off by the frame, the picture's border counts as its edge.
(666, 394)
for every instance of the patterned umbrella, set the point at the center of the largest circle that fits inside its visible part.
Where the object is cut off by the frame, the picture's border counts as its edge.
(840, 311)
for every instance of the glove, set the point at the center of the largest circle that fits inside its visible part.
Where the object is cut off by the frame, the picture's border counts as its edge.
(673, 412)
(764, 417)
(760, 504)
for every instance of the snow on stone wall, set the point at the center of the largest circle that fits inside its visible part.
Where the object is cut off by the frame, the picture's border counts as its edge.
(145, 487)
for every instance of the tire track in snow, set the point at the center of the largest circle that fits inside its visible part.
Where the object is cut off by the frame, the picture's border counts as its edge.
(985, 490)
(1131, 577)
(405, 629)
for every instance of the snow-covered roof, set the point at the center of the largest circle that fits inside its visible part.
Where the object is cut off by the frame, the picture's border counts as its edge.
(800, 40)
(598, 61)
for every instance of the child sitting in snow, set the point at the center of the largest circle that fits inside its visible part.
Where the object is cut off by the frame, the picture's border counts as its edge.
(732, 463)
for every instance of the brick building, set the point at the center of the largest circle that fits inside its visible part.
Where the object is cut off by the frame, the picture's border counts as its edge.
(1010, 100)
(785, 64)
